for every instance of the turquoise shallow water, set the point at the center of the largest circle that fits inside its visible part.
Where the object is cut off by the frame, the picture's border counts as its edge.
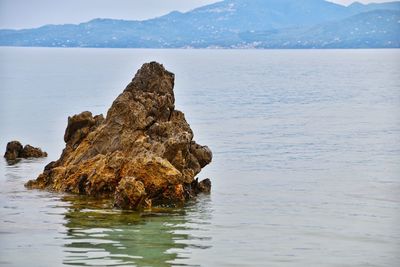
(306, 168)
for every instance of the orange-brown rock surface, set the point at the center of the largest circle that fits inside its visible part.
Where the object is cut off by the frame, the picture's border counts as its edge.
(141, 154)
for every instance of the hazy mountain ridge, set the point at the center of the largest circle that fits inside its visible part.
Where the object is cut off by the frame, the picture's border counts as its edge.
(372, 29)
(273, 24)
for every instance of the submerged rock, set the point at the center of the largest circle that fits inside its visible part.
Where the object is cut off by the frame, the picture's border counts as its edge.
(141, 154)
(15, 150)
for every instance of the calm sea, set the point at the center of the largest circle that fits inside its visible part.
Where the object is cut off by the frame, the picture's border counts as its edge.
(306, 168)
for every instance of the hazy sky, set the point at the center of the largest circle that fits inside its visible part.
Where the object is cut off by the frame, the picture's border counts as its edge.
(16, 14)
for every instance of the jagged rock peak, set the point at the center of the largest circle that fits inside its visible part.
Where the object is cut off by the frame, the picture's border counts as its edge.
(153, 77)
(141, 154)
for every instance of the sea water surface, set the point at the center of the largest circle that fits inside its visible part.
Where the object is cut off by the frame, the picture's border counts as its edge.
(306, 168)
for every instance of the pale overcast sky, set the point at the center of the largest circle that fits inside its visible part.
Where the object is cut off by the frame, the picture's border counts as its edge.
(17, 14)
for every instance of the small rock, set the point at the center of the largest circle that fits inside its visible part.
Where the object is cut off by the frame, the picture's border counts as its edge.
(32, 152)
(205, 186)
(197, 187)
(15, 150)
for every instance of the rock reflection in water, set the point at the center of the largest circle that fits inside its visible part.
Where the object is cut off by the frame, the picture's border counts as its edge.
(98, 235)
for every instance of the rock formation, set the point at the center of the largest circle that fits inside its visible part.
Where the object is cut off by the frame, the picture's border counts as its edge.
(141, 154)
(15, 150)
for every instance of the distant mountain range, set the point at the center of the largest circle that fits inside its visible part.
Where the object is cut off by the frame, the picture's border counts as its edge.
(232, 24)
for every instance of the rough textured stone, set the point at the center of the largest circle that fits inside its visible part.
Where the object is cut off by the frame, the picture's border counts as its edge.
(79, 126)
(130, 193)
(15, 150)
(141, 154)
(32, 152)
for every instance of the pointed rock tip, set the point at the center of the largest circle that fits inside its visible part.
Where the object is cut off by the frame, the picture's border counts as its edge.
(153, 77)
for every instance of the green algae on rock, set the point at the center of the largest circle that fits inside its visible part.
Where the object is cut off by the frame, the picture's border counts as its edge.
(142, 154)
